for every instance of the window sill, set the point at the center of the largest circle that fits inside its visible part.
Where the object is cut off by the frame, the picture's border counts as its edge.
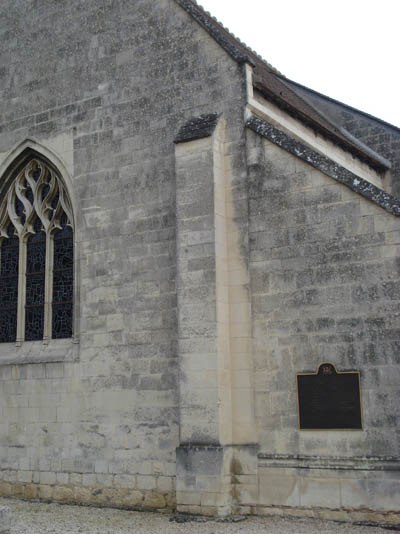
(57, 350)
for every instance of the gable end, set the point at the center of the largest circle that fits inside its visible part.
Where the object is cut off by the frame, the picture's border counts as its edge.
(212, 29)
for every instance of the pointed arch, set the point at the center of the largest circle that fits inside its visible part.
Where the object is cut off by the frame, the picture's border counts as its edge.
(28, 149)
(36, 208)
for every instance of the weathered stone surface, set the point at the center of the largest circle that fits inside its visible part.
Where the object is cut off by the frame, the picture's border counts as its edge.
(329, 167)
(319, 271)
(214, 31)
(111, 113)
(197, 128)
(208, 273)
(5, 520)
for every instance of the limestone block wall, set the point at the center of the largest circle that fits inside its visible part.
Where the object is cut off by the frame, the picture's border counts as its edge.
(217, 426)
(275, 267)
(105, 88)
(325, 279)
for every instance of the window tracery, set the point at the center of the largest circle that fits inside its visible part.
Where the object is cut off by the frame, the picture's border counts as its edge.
(36, 256)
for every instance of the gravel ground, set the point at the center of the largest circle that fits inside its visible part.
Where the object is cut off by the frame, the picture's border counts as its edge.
(39, 518)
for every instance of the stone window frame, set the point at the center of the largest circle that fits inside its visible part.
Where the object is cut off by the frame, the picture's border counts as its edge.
(47, 349)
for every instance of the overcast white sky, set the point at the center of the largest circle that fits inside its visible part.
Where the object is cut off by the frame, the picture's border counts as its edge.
(346, 49)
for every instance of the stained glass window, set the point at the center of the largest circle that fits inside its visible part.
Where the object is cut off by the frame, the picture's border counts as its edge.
(35, 212)
(63, 281)
(20, 210)
(9, 257)
(35, 283)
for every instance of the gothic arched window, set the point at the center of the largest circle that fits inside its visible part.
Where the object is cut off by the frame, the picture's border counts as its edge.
(36, 257)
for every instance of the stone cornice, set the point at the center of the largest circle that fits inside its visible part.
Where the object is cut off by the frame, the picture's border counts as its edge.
(326, 165)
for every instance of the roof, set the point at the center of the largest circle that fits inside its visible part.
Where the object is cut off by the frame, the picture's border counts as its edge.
(279, 90)
(368, 116)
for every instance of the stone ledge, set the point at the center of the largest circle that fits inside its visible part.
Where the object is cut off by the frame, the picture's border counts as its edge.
(362, 463)
(57, 350)
(326, 165)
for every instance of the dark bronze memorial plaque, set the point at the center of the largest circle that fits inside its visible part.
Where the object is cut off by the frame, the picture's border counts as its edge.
(329, 400)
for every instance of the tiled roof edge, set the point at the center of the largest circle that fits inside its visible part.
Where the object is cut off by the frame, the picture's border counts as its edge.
(197, 128)
(213, 29)
(301, 108)
(312, 117)
(357, 143)
(326, 165)
(369, 151)
(339, 103)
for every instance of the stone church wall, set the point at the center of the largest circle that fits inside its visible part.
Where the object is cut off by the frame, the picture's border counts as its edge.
(211, 266)
(106, 88)
(325, 279)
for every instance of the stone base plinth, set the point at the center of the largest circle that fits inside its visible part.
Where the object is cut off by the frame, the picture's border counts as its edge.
(214, 480)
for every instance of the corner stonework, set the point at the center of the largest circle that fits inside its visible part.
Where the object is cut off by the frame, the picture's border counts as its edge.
(216, 460)
(216, 480)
